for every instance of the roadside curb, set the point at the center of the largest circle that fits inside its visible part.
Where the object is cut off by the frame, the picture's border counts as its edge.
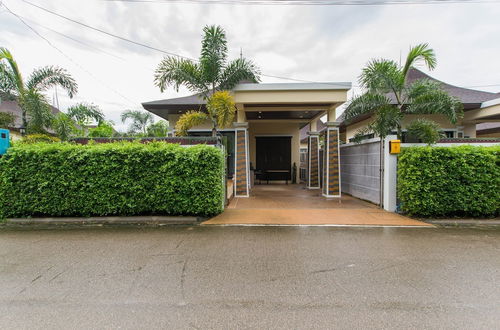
(101, 221)
(464, 222)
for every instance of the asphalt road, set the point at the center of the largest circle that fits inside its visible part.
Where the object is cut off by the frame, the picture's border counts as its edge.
(250, 278)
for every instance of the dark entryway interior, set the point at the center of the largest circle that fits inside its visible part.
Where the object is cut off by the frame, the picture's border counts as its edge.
(273, 157)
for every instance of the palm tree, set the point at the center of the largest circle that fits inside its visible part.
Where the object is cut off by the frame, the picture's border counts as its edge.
(84, 113)
(64, 126)
(140, 120)
(210, 74)
(389, 97)
(29, 94)
(158, 129)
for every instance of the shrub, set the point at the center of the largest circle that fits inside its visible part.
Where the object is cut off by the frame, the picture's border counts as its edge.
(443, 182)
(7, 119)
(37, 138)
(123, 178)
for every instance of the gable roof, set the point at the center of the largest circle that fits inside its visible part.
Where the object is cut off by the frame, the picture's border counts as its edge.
(470, 98)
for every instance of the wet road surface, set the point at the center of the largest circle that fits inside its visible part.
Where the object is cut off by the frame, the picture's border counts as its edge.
(250, 278)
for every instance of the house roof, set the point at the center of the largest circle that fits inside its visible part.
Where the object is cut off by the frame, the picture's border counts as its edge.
(470, 98)
(180, 105)
(293, 86)
(13, 107)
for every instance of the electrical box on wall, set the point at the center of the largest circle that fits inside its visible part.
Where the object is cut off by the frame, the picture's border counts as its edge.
(394, 146)
(4, 141)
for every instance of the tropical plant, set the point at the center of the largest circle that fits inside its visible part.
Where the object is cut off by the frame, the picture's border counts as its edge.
(220, 112)
(36, 138)
(158, 129)
(389, 96)
(64, 126)
(85, 113)
(140, 120)
(6, 119)
(103, 129)
(29, 94)
(424, 130)
(211, 73)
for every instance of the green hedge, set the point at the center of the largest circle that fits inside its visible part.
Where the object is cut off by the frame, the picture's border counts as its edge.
(446, 182)
(123, 178)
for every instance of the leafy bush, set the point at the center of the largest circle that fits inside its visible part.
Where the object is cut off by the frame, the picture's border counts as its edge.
(123, 178)
(6, 119)
(37, 138)
(443, 182)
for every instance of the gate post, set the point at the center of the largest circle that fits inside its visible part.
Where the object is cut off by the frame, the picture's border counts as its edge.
(242, 175)
(331, 161)
(313, 160)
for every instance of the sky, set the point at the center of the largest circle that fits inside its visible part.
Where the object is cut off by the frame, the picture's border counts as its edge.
(314, 43)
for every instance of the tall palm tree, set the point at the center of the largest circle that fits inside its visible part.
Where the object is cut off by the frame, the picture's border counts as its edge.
(140, 120)
(210, 74)
(389, 96)
(29, 94)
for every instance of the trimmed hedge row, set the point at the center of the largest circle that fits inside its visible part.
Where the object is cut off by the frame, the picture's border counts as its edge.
(124, 178)
(445, 182)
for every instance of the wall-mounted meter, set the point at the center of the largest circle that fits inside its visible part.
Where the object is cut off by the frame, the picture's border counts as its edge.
(394, 146)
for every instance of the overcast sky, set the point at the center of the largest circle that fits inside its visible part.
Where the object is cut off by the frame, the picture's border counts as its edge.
(316, 43)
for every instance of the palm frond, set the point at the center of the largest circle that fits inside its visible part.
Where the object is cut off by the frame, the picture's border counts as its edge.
(16, 77)
(213, 52)
(236, 71)
(387, 118)
(382, 76)
(8, 87)
(140, 120)
(417, 54)
(365, 104)
(189, 120)
(427, 97)
(50, 76)
(173, 71)
(222, 108)
(158, 129)
(35, 105)
(84, 113)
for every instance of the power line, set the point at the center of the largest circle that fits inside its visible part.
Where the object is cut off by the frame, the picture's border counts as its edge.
(102, 31)
(311, 2)
(193, 59)
(67, 56)
(147, 46)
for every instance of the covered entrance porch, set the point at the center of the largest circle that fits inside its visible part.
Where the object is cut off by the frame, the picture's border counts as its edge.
(267, 133)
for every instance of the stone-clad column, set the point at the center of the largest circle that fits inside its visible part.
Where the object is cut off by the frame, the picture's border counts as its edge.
(331, 161)
(242, 174)
(313, 161)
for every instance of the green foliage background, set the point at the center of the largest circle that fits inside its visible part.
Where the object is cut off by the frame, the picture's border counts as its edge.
(123, 178)
(445, 182)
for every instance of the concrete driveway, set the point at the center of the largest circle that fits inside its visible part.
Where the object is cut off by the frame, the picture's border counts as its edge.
(294, 204)
(250, 278)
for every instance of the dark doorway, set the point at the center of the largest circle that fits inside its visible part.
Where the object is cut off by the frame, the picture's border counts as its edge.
(274, 157)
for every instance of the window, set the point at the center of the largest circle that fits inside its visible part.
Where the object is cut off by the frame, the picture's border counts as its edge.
(449, 134)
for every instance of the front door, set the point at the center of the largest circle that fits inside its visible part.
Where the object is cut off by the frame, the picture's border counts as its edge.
(274, 157)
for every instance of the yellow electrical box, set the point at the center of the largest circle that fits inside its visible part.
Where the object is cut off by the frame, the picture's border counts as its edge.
(395, 146)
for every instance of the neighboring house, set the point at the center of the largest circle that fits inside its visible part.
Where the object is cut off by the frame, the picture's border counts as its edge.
(13, 107)
(479, 108)
(266, 135)
(488, 130)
